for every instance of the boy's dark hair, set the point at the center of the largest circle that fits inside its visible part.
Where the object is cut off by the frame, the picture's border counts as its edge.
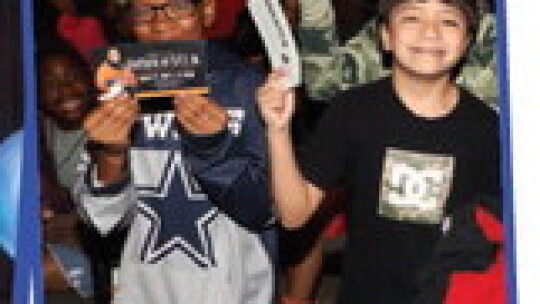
(58, 47)
(468, 7)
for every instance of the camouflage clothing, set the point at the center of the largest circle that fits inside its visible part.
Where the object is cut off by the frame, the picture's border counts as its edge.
(329, 67)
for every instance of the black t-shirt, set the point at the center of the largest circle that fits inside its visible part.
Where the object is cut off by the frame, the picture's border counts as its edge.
(352, 15)
(403, 174)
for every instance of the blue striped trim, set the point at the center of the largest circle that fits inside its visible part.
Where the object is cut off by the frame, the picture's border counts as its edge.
(506, 149)
(28, 282)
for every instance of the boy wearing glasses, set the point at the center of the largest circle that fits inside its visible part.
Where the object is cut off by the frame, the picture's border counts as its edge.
(409, 150)
(190, 184)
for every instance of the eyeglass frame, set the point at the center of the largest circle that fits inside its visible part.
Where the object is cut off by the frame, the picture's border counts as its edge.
(181, 5)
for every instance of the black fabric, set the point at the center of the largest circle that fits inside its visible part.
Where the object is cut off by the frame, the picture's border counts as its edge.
(6, 277)
(463, 247)
(104, 253)
(351, 16)
(11, 87)
(348, 149)
(204, 143)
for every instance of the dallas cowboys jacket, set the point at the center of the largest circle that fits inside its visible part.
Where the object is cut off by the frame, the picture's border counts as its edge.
(196, 207)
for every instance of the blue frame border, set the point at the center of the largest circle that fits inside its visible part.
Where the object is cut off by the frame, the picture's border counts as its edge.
(28, 263)
(28, 287)
(503, 74)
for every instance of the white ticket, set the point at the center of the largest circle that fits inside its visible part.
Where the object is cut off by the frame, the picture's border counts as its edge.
(277, 36)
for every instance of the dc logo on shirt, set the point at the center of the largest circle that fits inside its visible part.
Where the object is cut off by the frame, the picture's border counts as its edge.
(415, 186)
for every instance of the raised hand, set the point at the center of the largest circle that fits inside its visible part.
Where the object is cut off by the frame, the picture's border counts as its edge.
(110, 123)
(199, 114)
(276, 102)
(108, 128)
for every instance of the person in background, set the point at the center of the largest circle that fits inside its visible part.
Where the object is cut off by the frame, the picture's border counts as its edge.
(64, 19)
(75, 260)
(64, 83)
(226, 17)
(66, 95)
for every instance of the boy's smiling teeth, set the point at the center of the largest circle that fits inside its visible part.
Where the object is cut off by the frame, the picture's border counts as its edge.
(428, 51)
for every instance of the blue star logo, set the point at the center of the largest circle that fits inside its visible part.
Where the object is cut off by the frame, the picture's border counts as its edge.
(178, 222)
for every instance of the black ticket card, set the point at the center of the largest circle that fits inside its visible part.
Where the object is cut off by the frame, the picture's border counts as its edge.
(153, 73)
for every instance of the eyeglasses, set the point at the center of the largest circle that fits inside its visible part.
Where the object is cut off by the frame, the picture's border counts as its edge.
(174, 10)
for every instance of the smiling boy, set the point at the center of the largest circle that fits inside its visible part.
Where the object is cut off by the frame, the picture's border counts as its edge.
(407, 149)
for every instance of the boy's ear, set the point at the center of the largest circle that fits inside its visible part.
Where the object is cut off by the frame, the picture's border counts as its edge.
(385, 37)
(209, 12)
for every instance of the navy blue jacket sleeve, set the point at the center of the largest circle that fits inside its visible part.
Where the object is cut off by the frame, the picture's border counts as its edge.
(231, 166)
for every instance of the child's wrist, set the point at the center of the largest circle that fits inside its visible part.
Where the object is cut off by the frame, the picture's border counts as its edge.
(278, 131)
(285, 299)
